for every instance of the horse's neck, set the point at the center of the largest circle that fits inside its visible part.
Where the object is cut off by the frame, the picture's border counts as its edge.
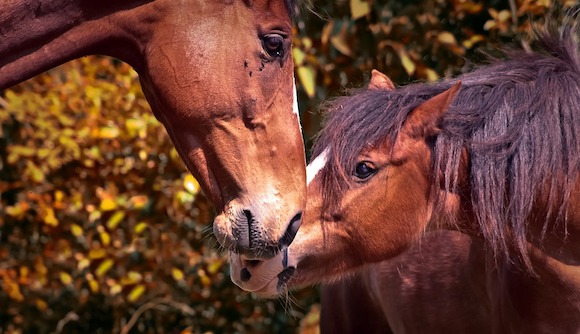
(40, 34)
(546, 302)
(550, 298)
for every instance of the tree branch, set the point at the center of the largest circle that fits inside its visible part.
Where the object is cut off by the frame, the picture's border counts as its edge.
(156, 303)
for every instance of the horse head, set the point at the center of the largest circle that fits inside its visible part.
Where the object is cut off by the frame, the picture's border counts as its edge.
(224, 89)
(381, 207)
(218, 75)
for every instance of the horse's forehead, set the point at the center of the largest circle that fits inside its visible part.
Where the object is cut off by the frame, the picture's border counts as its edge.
(276, 7)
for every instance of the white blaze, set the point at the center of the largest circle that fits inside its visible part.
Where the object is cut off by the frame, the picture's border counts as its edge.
(295, 106)
(315, 166)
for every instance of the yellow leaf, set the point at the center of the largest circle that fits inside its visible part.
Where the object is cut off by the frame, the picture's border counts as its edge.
(17, 211)
(105, 266)
(108, 133)
(83, 263)
(41, 305)
(108, 204)
(43, 153)
(36, 173)
(177, 274)
(469, 43)
(215, 266)
(406, 61)
(135, 124)
(105, 238)
(446, 37)
(359, 8)
(307, 76)
(132, 277)
(490, 24)
(93, 285)
(431, 75)
(49, 217)
(24, 271)
(298, 56)
(205, 280)
(313, 317)
(76, 230)
(184, 197)
(12, 289)
(307, 43)
(115, 289)
(97, 253)
(58, 196)
(140, 227)
(471, 7)
(65, 278)
(504, 15)
(115, 219)
(136, 293)
(22, 151)
(191, 184)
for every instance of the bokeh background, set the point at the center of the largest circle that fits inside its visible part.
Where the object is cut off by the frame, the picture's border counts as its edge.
(102, 229)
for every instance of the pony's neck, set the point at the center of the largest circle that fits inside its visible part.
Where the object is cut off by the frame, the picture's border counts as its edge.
(40, 34)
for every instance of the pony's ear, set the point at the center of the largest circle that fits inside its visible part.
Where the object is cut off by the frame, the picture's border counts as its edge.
(424, 120)
(380, 81)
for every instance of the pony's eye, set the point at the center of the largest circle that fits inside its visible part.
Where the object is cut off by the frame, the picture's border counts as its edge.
(273, 45)
(363, 170)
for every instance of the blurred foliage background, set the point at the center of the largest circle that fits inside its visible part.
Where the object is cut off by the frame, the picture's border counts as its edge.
(103, 230)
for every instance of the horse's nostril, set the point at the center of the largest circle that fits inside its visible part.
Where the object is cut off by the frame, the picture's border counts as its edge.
(245, 275)
(251, 227)
(291, 230)
(249, 216)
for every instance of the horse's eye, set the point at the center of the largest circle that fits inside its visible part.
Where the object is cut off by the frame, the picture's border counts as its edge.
(273, 45)
(363, 170)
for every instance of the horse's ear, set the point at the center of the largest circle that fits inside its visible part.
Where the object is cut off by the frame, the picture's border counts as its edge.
(380, 81)
(423, 121)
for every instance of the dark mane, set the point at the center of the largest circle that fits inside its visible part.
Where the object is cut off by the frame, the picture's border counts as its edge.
(519, 119)
(291, 7)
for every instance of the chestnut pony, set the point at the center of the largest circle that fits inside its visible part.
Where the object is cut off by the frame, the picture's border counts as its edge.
(219, 76)
(494, 153)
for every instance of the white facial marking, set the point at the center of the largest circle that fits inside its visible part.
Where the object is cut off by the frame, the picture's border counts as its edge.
(315, 166)
(295, 106)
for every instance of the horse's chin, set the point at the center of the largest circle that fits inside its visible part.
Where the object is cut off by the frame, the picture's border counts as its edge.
(267, 279)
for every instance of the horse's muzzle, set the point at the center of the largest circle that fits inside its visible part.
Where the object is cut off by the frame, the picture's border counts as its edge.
(243, 232)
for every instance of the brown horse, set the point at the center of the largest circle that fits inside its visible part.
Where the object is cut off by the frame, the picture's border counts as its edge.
(494, 153)
(218, 75)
